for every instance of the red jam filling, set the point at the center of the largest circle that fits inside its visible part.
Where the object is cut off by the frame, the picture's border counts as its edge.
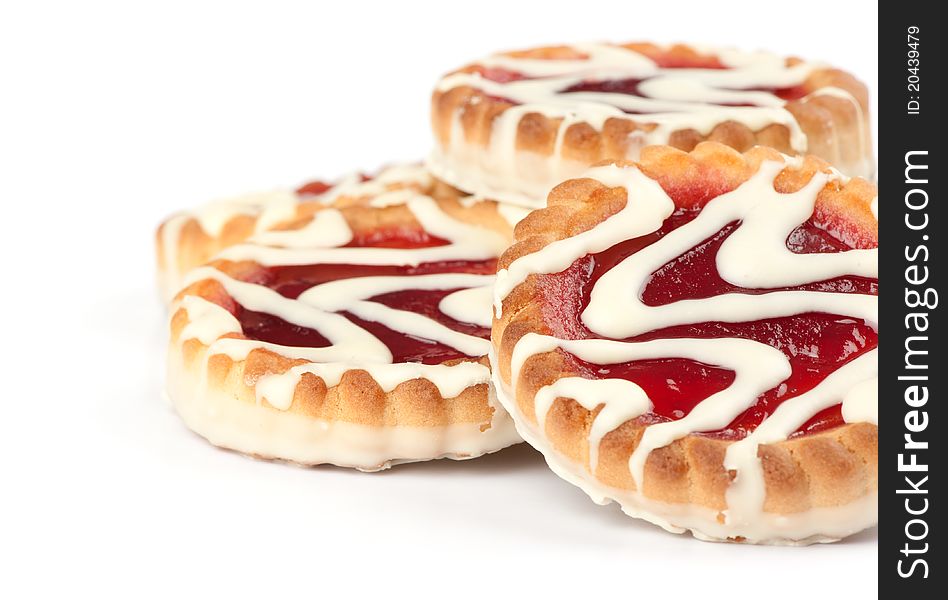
(313, 188)
(499, 74)
(317, 187)
(788, 93)
(816, 344)
(630, 87)
(291, 281)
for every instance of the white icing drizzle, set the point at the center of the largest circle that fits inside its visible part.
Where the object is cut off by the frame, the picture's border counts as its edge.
(389, 179)
(278, 389)
(746, 493)
(512, 213)
(351, 294)
(273, 208)
(393, 198)
(757, 366)
(861, 404)
(468, 242)
(328, 229)
(470, 306)
(346, 338)
(621, 401)
(753, 256)
(668, 100)
(646, 214)
(208, 321)
(318, 308)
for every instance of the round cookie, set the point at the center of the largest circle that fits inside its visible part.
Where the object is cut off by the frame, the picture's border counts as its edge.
(354, 334)
(513, 125)
(694, 336)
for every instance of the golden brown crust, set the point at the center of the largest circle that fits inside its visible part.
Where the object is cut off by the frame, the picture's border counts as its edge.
(830, 468)
(835, 129)
(192, 246)
(357, 397)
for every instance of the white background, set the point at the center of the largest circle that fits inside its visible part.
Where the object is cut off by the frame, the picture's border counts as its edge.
(114, 115)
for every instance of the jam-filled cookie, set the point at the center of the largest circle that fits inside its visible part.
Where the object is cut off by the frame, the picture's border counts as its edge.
(694, 336)
(513, 125)
(354, 334)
